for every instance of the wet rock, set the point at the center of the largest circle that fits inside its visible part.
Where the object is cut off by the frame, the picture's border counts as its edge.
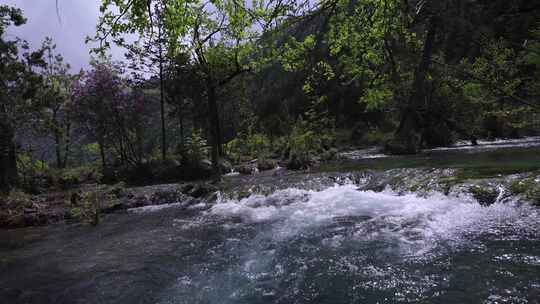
(185, 188)
(118, 190)
(212, 197)
(266, 164)
(206, 164)
(225, 166)
(115, 207)
(166, 197)
(485, 195)
(202, 190)
(527, 187)
(244, 169)
(16, 221)
(280, 171)
(39, 219)
(245, 158)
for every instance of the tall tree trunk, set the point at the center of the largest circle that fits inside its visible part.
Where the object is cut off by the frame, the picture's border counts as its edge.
(57, 140)
(8, 157)
(67, 146)
(181, 124)
(162, 101)
(407, 139)
(103, 157)
(58, 148)
(213, 121)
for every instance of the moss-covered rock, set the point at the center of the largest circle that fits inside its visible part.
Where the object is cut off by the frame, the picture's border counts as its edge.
(485, 195)
(528, 188)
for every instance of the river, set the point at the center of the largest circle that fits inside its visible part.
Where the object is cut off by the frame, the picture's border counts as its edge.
(335, 245)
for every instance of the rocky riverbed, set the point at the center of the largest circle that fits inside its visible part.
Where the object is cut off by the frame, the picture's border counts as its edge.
(61, 207)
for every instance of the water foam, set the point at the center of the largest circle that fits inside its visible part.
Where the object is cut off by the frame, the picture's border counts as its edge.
(417, 224)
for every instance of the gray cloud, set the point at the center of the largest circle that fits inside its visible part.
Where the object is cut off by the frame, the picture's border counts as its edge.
(75, 20)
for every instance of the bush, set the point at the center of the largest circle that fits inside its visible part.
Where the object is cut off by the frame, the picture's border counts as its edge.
(305, 144)
(195, 148)
(167, 171)
(17, 199)
(86, 206)
(254, 145)
(376, 137)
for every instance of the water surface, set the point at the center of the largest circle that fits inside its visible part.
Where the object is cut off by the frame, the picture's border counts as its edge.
(339, 245)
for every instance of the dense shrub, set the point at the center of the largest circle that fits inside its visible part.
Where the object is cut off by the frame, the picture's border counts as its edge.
(254, 145)
(195, 148)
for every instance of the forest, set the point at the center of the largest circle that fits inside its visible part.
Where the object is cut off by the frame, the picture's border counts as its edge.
(272, 151)
(207, 85)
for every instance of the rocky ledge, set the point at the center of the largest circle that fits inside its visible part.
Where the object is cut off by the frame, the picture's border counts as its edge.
(22, 210)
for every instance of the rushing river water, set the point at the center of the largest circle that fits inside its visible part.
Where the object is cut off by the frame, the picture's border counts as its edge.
(338, 245)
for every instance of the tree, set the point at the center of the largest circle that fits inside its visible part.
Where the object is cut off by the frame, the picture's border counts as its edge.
(148, 55)
(17, 87)
(219, 35)
(96, 96)
(54, 102)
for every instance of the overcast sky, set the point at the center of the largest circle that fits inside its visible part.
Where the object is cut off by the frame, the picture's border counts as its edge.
(77, 20)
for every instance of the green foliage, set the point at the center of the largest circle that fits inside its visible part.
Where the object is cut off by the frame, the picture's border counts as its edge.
(195, 148)
(92, 149)
(493, 85)
(254, 145)
(19, 199)
(306, 141)
(295, 53)
(28, 165)
(80, 174)
(377, 137)
(86, 206)
(32, 173)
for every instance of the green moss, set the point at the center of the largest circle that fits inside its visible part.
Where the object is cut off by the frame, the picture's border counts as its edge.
(484, 195)
(414, 188)
(522, 186)
(527, 188)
